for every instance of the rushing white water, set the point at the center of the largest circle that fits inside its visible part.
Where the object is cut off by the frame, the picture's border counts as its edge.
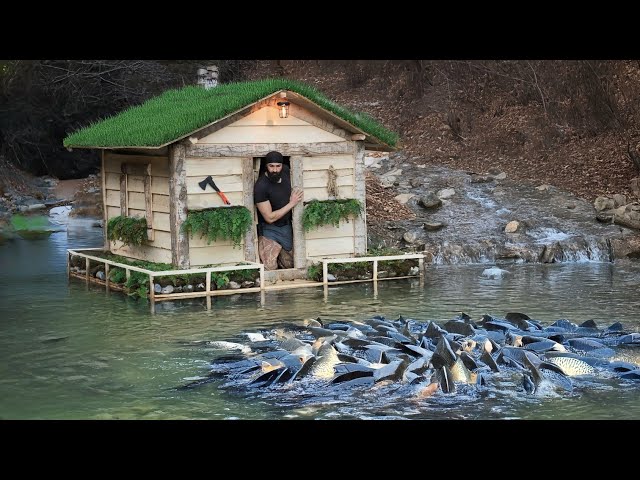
(545, 236)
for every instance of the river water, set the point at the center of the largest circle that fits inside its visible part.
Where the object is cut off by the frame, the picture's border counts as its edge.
(68, 351)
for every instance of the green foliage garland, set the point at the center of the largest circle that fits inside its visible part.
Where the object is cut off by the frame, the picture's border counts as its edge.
(329, 212)
(220, 222)
(129, 230)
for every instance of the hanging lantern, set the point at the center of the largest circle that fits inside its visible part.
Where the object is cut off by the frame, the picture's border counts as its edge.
(283, 107)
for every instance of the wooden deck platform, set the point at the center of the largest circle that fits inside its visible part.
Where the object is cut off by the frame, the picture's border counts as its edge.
(281, 284)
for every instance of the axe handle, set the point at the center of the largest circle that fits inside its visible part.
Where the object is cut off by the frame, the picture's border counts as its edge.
(224, 198)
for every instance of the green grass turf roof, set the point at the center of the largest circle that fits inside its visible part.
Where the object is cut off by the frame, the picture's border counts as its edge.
(176, 113)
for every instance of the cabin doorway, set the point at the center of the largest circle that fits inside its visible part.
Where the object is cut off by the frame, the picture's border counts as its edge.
(259, 170)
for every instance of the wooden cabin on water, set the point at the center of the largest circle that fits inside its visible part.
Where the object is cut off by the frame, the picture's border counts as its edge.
(156, 156)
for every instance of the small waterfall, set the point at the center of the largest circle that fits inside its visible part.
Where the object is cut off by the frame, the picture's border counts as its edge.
(449, 253)
(573, 249)
(585, 250)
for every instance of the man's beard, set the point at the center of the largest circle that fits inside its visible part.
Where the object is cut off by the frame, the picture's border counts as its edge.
(274, 177)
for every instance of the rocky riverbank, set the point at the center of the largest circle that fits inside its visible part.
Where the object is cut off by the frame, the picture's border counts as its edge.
(470, 217)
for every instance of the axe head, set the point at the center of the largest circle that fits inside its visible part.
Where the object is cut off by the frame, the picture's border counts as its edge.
(203, 184)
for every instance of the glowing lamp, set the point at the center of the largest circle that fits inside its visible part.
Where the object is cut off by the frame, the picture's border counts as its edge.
(283, 106)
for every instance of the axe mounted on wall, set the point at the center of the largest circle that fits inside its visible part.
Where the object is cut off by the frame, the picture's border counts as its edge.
(209, 181)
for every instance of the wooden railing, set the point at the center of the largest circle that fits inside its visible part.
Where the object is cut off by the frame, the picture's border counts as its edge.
(208, 293)
(375, 260)
(152, 274)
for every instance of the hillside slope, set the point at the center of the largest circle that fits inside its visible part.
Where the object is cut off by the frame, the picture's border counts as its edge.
(571, 124)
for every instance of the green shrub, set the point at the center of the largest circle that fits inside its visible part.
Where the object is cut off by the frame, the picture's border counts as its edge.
(138, 284)
(220, 222)
(329, 212)
(117, 275)
(220, 278)
(129, 230)
(314, 272)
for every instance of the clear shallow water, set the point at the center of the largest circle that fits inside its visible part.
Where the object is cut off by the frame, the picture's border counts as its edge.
(72, 352)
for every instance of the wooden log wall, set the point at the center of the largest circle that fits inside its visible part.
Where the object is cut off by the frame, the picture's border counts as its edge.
(227, 175)
(134, 202)
(329, 240)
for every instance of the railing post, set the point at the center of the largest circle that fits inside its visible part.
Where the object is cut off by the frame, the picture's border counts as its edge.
(152, 291)
(106, 277)
(208, 282)
(261, 276)
(325, 271)
(375, 270)
(86, 271)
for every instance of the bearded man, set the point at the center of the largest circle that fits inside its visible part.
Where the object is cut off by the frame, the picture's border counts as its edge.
(275, 199)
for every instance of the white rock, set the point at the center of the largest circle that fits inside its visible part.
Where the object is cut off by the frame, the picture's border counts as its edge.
(404, 197)
(393, 173)
(36, 206)
(445, 193)
(494, 272)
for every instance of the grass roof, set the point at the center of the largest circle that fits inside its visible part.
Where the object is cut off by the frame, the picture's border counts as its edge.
(176, 113)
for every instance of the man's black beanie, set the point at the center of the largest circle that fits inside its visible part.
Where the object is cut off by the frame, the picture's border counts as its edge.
(273, 157)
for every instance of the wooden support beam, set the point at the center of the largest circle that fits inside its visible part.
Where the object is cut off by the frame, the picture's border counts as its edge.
(124, 211)
(360, 222)
(178, 206)
(299, 240)
(148, 203)
(250, 240)
(105, 217)
(202, 150)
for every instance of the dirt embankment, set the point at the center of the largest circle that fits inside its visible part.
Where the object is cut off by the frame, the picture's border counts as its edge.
(569, 124)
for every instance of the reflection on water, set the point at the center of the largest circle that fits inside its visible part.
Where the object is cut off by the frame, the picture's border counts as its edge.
(68, 351)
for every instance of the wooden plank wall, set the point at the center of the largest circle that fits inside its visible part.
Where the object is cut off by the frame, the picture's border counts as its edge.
(265, 126)
(158, 250)
(329, 240)
(227, 175)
